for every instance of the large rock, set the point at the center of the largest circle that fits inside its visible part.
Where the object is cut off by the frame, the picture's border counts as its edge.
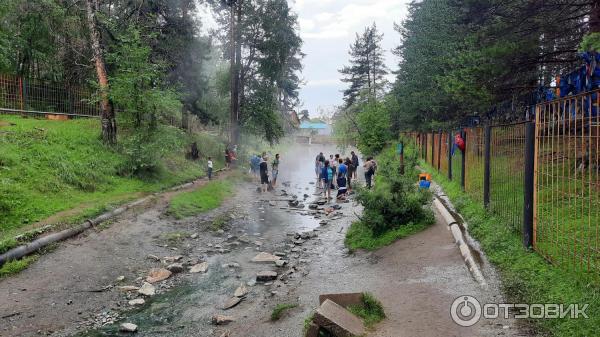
(265, 276)
(199, 268)
(147, 289)
(337, 320)
(222, 320)
(157, 275)
(128, 327)
(265, 257)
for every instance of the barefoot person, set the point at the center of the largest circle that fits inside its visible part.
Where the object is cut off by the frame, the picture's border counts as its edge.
(264, 174)
(341, 179)
(355, 164)
(319, 163)
(327, 177)
(275, 169)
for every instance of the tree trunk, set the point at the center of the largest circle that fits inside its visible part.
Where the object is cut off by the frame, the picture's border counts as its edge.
(595, 17)
(109, 123)
(233, 80)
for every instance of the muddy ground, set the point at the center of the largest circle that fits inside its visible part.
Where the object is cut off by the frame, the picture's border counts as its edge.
(74, 289)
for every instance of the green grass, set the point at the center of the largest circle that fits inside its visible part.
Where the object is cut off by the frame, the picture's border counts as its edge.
(220, 221)
(15, 266)
(280, 309)
(47, 167)
(526, 276)
(201, 200)
(370, 310)
(359, 236)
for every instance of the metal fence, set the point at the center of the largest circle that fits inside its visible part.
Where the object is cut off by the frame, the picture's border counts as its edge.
(567, 181)
(540, 178)
(32, 96)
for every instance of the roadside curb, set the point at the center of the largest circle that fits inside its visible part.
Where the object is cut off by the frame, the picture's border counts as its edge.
(465, 251)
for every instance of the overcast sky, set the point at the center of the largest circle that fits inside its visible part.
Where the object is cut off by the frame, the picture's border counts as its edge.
(328, 27)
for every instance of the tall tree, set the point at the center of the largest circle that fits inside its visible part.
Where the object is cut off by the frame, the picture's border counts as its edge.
(109, 122)
(367, 70)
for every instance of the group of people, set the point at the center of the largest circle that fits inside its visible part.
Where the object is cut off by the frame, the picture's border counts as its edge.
(338, 173)
(259, 168)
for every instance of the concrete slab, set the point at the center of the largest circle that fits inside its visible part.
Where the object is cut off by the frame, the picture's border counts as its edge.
(344, 299)
(337, 320)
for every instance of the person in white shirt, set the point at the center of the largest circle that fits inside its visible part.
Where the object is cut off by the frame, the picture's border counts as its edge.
(209, 169)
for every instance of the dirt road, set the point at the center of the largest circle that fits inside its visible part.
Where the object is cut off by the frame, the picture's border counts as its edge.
(73, 290)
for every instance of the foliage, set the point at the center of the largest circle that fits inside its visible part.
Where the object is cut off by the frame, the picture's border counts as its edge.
(16, 266)
(373, 122)
(370, 310)
(526, 276)
(590, 42)
(360, 236)
(207, 197)
(395, 200)
(52, 166)
(280, 309)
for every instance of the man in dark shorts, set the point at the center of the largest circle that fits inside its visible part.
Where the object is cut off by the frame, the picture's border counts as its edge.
(355, 163)
(264, 174)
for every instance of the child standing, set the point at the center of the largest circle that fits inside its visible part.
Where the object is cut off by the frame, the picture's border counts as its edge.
(209, 168)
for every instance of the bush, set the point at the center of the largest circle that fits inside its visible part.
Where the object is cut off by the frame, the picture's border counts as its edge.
(395, 200)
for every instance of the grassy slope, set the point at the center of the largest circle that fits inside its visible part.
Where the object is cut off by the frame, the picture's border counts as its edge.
(52, 166)
(526, 276)
(204, 199)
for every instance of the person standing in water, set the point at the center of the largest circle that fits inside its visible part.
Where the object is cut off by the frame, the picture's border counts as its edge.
(275, 169)
(327, 177)
(319, 163)
(355, 164)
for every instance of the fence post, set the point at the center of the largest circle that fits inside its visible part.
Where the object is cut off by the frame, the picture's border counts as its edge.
(21, 95)
(439, 152)
(529, 185)
(463, 160)
(487, 169)
(450, 155)
(425, 147)
(432, 149)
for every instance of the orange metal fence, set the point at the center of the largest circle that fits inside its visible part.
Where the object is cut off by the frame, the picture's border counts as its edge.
(25, 95)
(567, 204)
(507, 172)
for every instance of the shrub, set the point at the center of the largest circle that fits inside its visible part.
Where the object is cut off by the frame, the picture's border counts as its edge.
(395, 200)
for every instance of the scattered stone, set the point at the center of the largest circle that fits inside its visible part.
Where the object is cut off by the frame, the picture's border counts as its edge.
(258, 243)
(128, 288)
(251, 283)
(265, 257)
(241, 291)
(199, 268)
(232, 302)
(172, 259)
(337, 320)
(121, 278)
(137, 301)
(280, 254)
(280, 263)
(265, 276)
(175, 268)
(128, 327)
(323, 222)
(153, 257)
(271, 203)
(147, 289)
(304, 261)
(193, 236)
(222, 320)
(157, 275)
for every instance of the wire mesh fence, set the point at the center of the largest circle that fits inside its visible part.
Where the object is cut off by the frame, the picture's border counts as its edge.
(507, 168)
(474, 166)
(26, 95)
(567, 204)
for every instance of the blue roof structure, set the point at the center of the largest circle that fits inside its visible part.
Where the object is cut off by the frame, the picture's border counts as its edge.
(313, 125)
